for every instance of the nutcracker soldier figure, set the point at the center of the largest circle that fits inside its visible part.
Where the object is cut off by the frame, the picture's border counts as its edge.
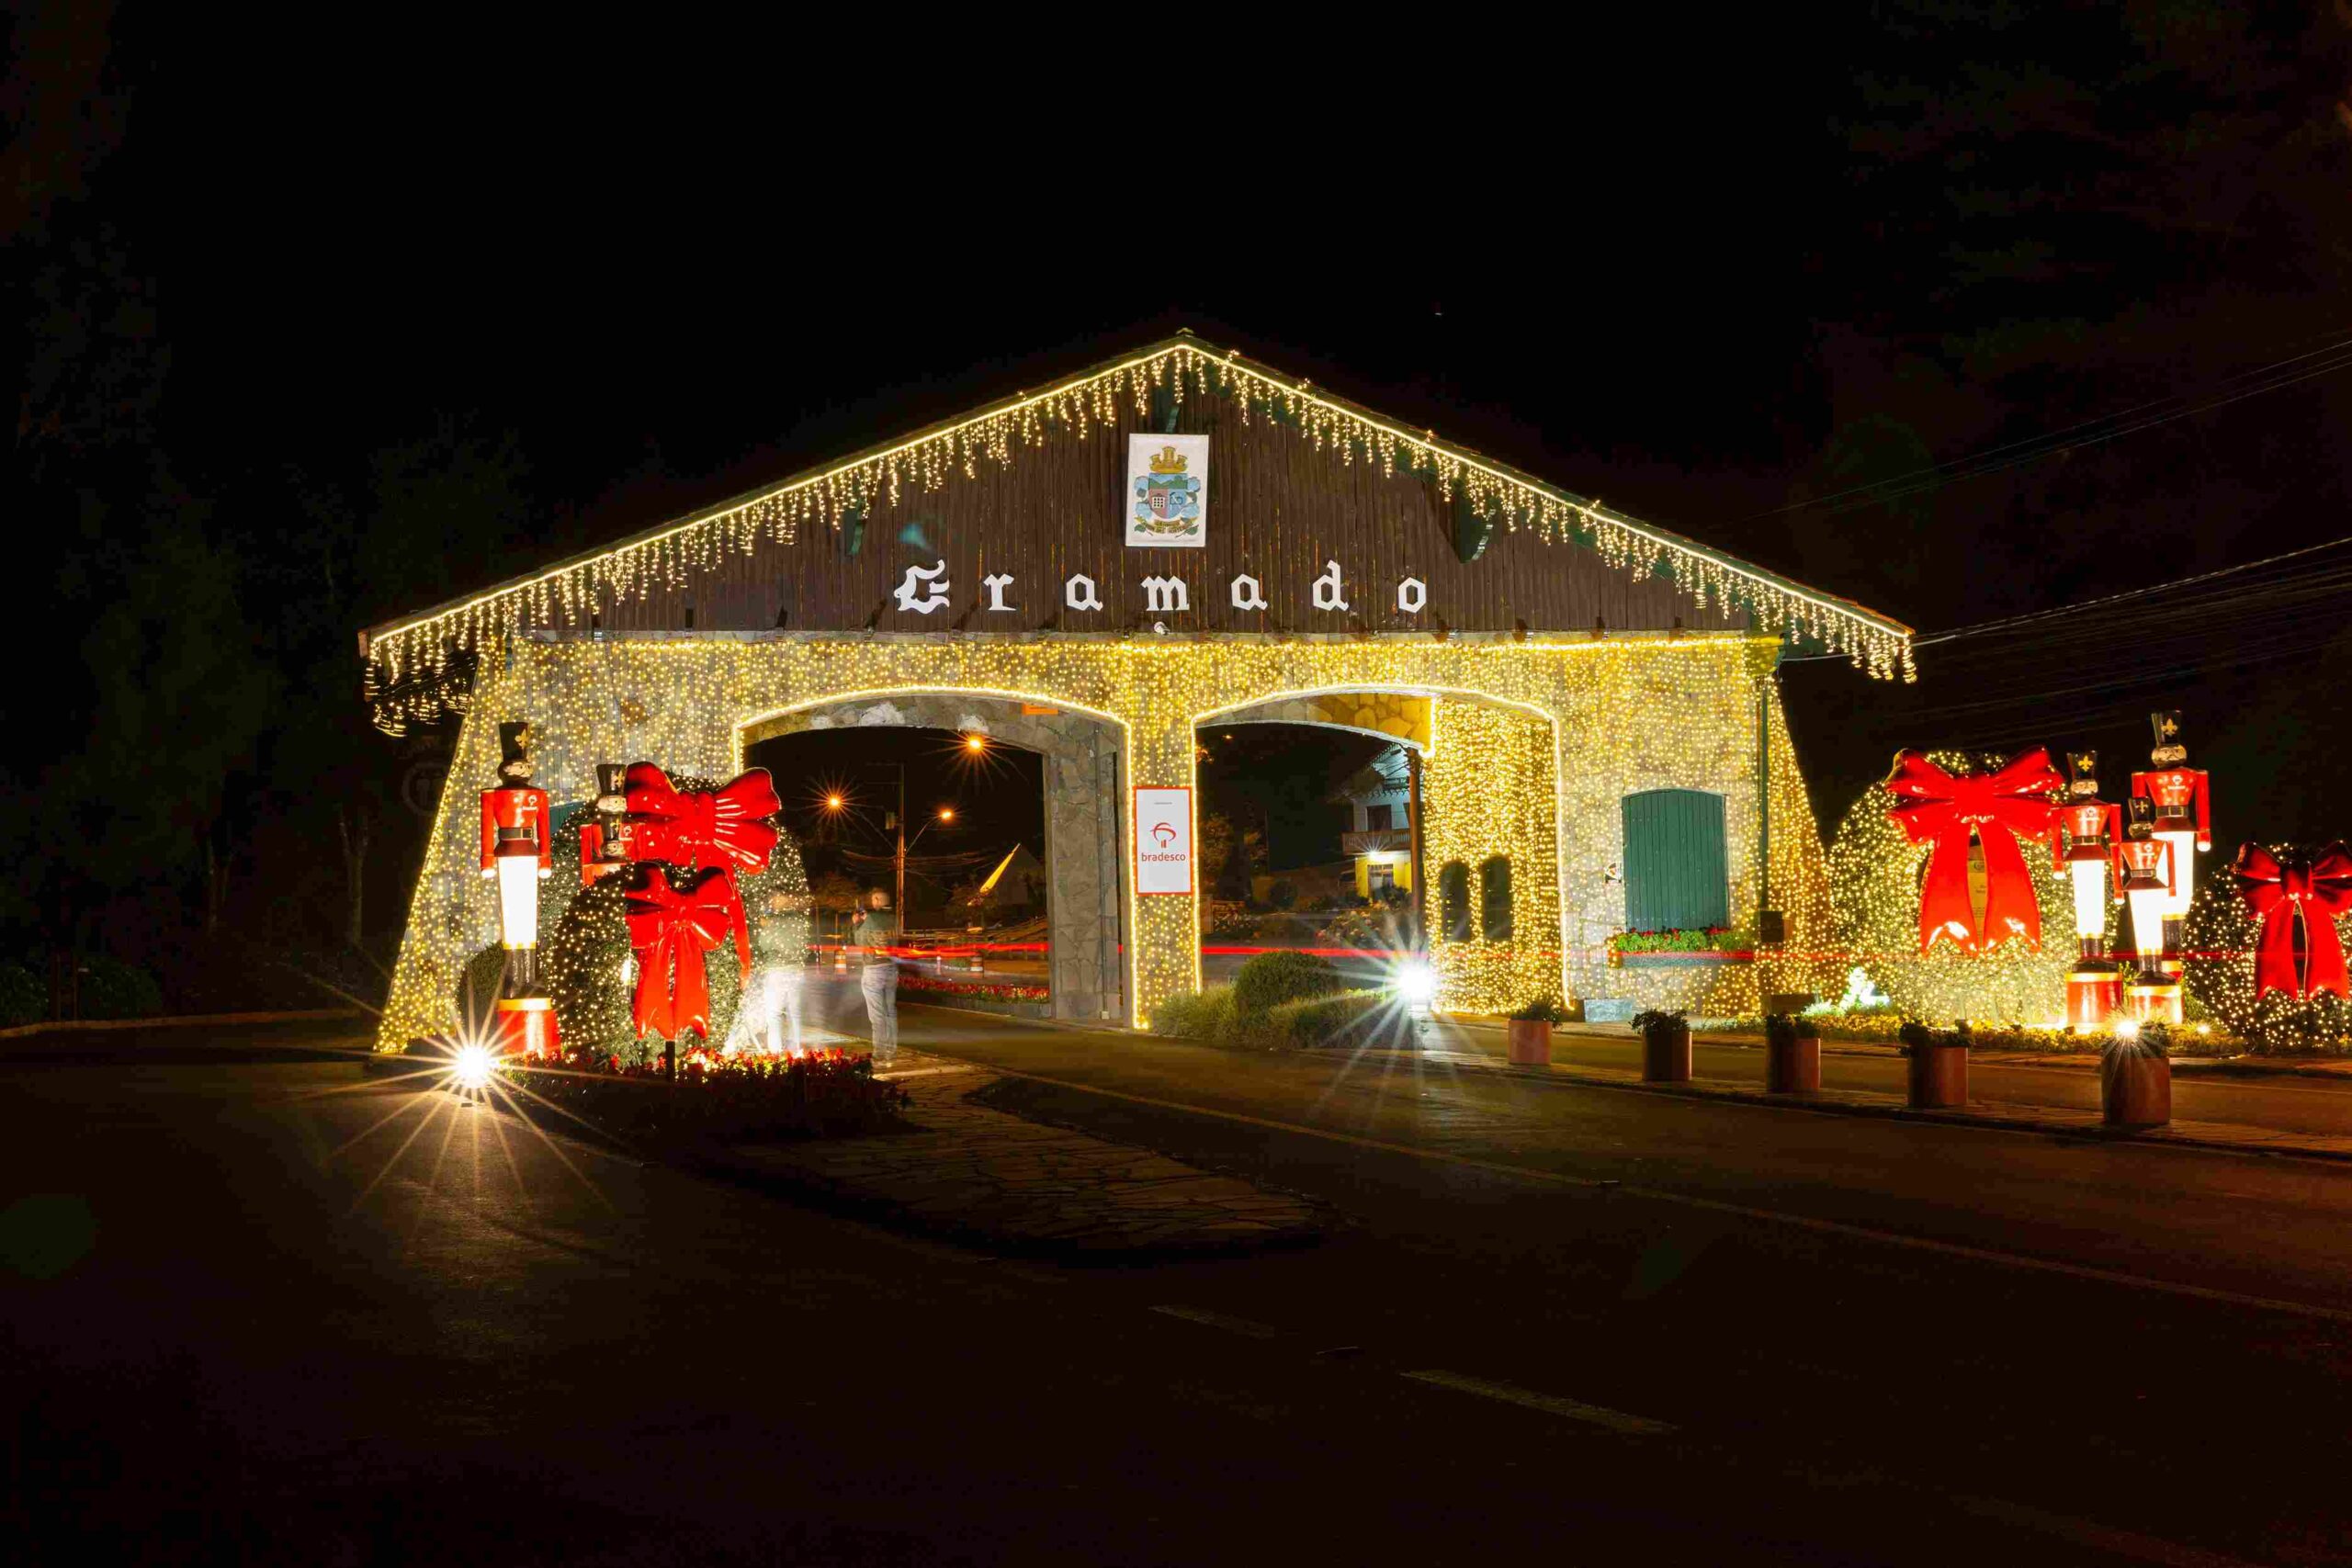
(2145, 864)
(517, 848)
(603, 843)
(2183, 820)
(2084, 830)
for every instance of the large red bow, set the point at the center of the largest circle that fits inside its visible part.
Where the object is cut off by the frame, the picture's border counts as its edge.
(1942, 809)
(2315, 890)
(670, 929)
(723, 826)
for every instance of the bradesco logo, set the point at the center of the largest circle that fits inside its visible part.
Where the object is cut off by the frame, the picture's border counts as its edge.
(1164, 832)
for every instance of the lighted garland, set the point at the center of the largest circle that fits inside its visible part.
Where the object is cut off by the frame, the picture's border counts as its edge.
(1875, 879)
(1631, 713)
(409, 660)
(2220, 942)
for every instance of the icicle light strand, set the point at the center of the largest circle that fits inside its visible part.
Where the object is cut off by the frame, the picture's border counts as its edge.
(415, 654)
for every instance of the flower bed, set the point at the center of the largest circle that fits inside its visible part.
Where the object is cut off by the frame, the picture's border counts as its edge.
(1721, 944)
(713, 1099)
(978, 990)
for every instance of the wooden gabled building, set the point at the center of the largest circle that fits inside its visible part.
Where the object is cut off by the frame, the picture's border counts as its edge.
(1178, 536)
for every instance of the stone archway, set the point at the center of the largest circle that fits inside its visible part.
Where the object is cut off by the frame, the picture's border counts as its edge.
(1084, 858)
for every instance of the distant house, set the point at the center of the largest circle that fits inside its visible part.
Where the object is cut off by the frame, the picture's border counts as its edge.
(1378, 839)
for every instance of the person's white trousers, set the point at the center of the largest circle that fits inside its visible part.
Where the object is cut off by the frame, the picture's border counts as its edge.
(880, 981)
(783, 999)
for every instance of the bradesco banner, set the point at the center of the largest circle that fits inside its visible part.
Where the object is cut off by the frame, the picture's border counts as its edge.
(1163, 839)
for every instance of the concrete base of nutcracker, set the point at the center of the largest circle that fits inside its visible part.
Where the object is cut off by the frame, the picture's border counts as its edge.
(525, 1027)
(2154, 1000)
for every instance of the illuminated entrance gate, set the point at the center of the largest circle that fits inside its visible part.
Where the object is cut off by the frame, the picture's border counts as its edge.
(1177, 535)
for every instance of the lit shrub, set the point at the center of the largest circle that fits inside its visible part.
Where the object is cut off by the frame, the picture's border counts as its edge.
(1272, 978)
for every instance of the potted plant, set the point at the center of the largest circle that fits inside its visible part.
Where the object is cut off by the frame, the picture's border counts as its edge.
(1792, 1054)
(2136, 1076)
(1665, 1047)
(1531, 1031)
(1938, 1065)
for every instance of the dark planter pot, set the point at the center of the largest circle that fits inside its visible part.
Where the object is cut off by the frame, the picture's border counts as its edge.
(1792, 1066)
(1666, 1057)
(2135, 1089)
(1530, 1043)
(1939, 1077)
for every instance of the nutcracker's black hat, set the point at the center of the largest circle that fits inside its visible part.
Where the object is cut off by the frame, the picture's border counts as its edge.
(515, 750)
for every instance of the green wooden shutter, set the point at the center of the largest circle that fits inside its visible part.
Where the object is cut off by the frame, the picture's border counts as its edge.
(1675, 869)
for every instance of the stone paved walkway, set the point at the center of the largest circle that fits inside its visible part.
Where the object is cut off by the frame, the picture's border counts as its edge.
(2058, 1118)
(983, 1176)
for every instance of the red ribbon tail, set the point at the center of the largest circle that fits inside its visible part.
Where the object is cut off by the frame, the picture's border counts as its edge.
(2274, 952)
(1943, 896)
(649, 1011)
(2010, 906)
(691, 1006)
(2323, 955)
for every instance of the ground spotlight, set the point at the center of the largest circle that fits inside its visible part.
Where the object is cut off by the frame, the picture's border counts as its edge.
(1415, 986)
(471, 1067)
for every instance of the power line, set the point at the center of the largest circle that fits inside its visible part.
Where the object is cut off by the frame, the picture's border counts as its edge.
(2050, 443)
(1980, 628)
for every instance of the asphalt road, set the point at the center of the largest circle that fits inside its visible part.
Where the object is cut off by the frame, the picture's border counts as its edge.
(258, 1308)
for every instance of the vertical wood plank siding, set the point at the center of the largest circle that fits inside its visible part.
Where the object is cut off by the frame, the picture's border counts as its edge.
(1278, 509)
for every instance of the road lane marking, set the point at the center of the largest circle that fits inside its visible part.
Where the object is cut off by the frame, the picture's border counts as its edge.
(1550, 1403)
(2102, 1538)
(1719, 1206)
(1220, 1320)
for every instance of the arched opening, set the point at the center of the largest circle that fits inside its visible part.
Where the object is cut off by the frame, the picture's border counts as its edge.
(1305, 842)
(1014, 899)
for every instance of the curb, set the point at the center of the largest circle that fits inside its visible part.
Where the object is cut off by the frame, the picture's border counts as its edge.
(179, 1020)
(2222, 1066)
(1895, 1110)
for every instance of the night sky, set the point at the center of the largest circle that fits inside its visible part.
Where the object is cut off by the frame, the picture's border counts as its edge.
(998, 797)
(1718, 279)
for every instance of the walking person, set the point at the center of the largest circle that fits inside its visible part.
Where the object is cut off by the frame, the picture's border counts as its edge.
(784, 931)
(872, 935)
